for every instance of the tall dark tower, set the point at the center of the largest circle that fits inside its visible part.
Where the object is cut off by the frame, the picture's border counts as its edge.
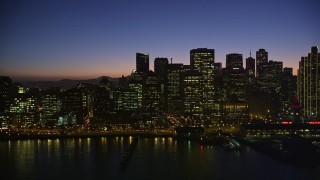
(296, 110)
(288, 88)
(261, 57)
(142, 62)
(250, 66)
(271, 76)
(5, 91)
(160, 68)
(234, 60)
(161, 72)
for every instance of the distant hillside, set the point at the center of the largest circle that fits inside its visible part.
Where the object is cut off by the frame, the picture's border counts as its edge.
(65, 83)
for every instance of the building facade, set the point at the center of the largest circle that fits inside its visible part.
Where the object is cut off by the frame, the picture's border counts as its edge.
(142, 62)
(250, 67)
(309, 84)
(270, 76)
(234, 60)
(202, 60)
(261, 57)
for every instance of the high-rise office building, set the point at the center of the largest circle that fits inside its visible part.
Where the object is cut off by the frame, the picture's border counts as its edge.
(250, 67)
(270, 80)
(161, 71)
(235, 85)
(24, 110)
(288, 71)
(151, 93)
(174, 92)
(218, 69)
(117, 94)
(270, 76)
(5, 91)
(218, 83)
(309, 84)
(234, 60)
(160, 68)
(130, 100)
(192, 95)
(137, 87)
(51, 106)
(202, 61)
(261, 57)
(142, 62)
(234, 79)
(126, 100)
(102, 102)
(71, 106)
(288, 88)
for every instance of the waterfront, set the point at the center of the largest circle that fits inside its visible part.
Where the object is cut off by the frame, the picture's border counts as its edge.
(153, 158)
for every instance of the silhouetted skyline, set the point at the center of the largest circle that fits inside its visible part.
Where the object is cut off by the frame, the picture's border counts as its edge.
(46, 40)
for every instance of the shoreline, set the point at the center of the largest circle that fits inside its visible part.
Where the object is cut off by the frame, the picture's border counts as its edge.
(19, 136)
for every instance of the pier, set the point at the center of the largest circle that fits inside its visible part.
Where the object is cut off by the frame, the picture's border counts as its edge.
(126, 157)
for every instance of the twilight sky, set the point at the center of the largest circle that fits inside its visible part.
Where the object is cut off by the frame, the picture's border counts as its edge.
(55, 39)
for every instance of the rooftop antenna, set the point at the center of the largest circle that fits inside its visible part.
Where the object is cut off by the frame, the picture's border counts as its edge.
(250, 53)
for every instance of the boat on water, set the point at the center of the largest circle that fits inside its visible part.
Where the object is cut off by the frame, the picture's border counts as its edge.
(231, 144)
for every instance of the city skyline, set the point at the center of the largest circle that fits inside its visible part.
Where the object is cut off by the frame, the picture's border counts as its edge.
(160, 89)
(80, 39)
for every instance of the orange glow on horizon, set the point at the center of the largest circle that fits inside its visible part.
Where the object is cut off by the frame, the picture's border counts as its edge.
(76, 75)
(97, 68)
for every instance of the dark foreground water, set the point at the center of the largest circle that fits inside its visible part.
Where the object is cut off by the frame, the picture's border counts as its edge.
(153, 158)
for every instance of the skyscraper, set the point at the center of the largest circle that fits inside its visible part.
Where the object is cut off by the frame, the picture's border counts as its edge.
(288, 71)
(192, 95)
(161, 71)
(71, 105)
(151, 96)
(142, 62)
(202, 61)
(51, 105)
(174, 92)
(138, 88)
(261, 57)
(234, 79)
(218, 69)
(5, 90)
(160, 68)
(270, 84)
(288, 88)
(250, 67)
(234, 60)
(309, 84)
(270, 76)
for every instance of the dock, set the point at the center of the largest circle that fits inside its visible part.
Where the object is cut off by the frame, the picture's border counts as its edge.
(127, 155)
